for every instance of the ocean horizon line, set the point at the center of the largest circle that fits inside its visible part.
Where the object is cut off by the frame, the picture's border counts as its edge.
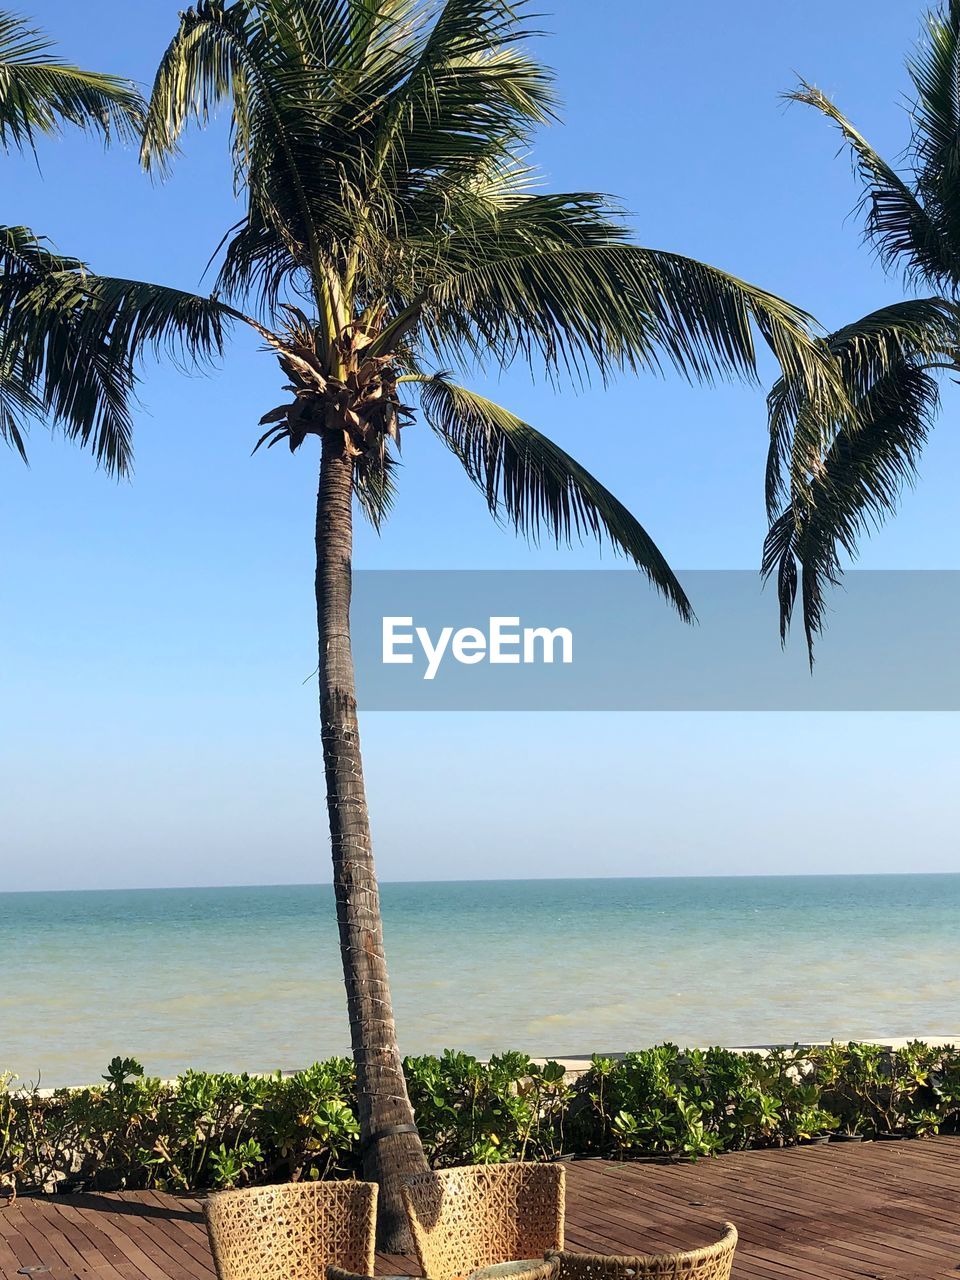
(467, 880)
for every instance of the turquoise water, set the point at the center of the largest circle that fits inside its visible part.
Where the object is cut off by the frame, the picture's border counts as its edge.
(248, 978)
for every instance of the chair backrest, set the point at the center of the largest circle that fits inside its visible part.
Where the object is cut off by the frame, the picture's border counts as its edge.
(475, 1216)
(292, 1232)
(713, 1262)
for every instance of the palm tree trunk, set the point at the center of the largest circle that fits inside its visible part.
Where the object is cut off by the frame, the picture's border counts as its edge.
(392, 1145)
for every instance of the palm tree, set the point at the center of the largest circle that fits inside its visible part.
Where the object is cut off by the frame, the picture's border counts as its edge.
(390, 234)
(831, 478)
(82, 390)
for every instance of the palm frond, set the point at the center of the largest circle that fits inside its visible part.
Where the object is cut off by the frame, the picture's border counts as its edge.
(469, 92)
(70, 342)
(19, 404)
(45, 369)
(535, 485)
(374, 485)
(856, 483)
(618, 306)
(903, 230)
(297, 124)
(39, 92)
(935, 133)
(195, 76)
(352, 122)
(257, 264)
(135, 316)
(829, 478)
(935, 72)
(917, 332)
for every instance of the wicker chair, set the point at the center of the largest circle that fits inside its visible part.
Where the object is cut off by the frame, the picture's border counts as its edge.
(464, 1220)
(713, 1262)
(292, 1232)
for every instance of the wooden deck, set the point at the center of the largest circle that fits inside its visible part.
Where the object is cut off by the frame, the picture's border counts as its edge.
(890, 1211)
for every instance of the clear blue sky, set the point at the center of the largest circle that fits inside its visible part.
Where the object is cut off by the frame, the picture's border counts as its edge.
(156, 636)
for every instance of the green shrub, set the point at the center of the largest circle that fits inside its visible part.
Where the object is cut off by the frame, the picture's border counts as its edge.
(909, 1092)
(204, 1130)
(470, 1112)
(208, 1130)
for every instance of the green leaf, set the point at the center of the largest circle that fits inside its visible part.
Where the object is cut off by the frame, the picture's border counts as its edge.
(39, 93)
(535, 484)
(70, 342)
(828, 481)
(905, 232)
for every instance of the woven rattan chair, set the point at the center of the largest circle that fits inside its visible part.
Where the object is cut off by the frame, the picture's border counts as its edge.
(292, 1232)
(464, 1220)
(713, 1262)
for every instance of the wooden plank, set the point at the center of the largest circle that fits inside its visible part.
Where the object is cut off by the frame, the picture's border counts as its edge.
(113, 1261)
(34, 1249)
(914, 1235)
(53, 1242)
(169, 1228)
(168, 1251)
(30, 1250)
(124, 1231)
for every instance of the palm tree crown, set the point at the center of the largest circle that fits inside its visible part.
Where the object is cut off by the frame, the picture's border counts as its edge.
(831, 478)
(392, 234)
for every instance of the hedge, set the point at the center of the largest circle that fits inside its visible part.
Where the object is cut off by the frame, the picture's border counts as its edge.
(217, 1130)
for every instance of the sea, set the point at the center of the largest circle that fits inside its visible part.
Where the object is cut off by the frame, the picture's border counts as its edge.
(248, 979)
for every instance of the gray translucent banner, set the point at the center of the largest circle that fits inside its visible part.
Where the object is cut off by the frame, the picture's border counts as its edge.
(605, 641)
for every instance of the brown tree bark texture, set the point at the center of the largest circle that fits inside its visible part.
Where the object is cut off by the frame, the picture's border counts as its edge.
(393, 1146)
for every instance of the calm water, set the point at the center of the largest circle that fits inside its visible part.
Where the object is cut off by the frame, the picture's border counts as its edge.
(249, 978)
